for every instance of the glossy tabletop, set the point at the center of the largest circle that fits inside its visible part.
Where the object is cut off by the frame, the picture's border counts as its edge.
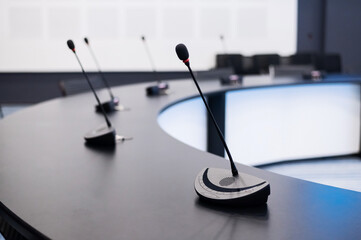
(143, 188)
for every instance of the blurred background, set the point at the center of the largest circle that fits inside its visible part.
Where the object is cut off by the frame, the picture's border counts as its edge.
(33, 34)
(35, 62)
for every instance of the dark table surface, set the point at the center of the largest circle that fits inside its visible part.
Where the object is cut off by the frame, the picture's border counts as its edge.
(143, 189)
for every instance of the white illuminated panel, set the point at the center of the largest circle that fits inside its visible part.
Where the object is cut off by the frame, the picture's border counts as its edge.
(276, 124)
(285, 123)
(187, 122)
(33, 33)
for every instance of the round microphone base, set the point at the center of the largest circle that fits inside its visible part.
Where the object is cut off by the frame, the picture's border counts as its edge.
(109, 106)
(103, 135)
(156, 90)
(217, 185)
(231, 80)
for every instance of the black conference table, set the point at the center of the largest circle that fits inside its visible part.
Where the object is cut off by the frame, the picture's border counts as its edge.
(143, 188)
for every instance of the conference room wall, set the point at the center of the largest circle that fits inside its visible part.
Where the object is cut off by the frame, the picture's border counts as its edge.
(343, 34)
(331, 26)
(310, 25)
(33, 32)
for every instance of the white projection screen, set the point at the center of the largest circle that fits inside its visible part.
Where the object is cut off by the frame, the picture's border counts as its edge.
(33, 33)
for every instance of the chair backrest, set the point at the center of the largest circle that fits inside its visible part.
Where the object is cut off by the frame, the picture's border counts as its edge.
(79, 85)
(261, 62)
(248, 65)
(328, 62)
(304, 58)
(234, 61)
(331, 63)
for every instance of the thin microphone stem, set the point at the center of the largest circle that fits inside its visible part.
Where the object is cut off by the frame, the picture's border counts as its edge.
(101, 73)
(233, 167)
(92, 88)
(228, 58)
(224, 46)
(151, 60)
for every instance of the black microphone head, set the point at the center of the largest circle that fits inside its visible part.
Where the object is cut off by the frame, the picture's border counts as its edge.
(143, 38)
(71, 45)
(86, 40)
(182, 52)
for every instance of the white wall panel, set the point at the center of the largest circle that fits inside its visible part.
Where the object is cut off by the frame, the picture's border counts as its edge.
(114, 28)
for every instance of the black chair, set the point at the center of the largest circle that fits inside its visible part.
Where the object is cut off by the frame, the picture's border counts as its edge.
(304, 58)
(261, 62)
(234, 61)
(79, 85)
(331, 63)
(248, 66)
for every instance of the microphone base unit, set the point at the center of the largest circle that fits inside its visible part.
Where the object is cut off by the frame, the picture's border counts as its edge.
(157, 90)
(219, 186)
(110, 106)
(314, 75)
(103, 135)
(231, 79)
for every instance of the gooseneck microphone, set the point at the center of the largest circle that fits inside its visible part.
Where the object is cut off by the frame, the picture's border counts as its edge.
(148, 54)
(161, 87)
(113, 104)
(98, 67)
(221, 185)
(183, 55)
(104, 135)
